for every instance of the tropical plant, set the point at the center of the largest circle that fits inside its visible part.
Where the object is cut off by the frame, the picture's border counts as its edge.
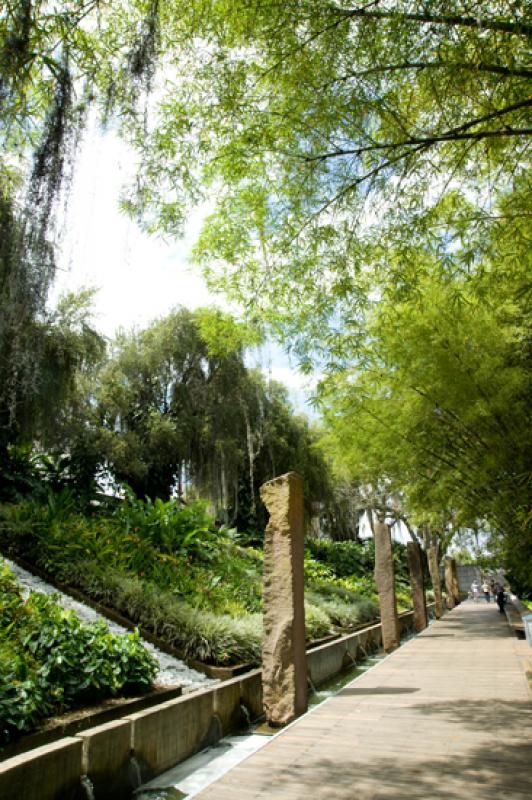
(51, 662)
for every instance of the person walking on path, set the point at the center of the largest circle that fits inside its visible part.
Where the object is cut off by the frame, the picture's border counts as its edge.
(486, 590)
(500, 598)
(474, 590)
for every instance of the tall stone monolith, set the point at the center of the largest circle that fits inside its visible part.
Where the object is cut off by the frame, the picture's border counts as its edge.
(415, 568)
(284, 669)
(448, 578)
(434, 570)
(385, 580)
(455, 583)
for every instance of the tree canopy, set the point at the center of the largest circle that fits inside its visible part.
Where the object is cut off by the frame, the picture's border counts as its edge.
(329, 131)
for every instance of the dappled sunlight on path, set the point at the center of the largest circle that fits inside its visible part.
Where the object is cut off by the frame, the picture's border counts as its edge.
(448, 715)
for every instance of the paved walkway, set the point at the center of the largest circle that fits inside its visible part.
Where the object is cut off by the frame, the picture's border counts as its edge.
(448, 715)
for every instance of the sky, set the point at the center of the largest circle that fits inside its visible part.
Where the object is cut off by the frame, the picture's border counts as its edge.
(139, 277)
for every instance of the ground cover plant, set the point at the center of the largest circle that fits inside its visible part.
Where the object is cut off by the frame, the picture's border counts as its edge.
(51, 662)
(169, 568)
(342, 575)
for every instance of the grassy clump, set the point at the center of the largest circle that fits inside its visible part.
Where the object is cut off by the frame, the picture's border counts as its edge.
(50, 661)
(198, 634)
(346, 614)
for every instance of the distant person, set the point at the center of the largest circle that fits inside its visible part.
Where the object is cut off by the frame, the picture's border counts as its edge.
(492, 588)
(500, 597)
(475, 590)
(486, 590)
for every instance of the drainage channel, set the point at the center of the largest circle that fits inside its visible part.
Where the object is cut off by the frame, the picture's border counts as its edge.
(189, 778)
(172, 671)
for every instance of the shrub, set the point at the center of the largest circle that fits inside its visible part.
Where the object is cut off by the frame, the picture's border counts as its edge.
(198, 634)
(50, 661)
(343, 558)
(317, 622)
(344, 614)
(165, 567)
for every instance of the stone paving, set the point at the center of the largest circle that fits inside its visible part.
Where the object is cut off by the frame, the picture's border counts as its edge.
(447, 716)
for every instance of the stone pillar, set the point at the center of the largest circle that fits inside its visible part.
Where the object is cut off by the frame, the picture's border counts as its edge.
(385, 580)
(434, 569)
(415, 568)
(448, 575)
(284, 668)
(455, 582)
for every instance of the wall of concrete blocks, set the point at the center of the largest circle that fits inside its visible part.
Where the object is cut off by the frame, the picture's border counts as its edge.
(117, 756)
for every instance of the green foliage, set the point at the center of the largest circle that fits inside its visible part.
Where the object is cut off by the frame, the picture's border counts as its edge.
(370, 174)
(51, 662)
(168, 569)
(174, 546)
(440, 411)
(197, 633)
(167, 527)
(343, 558)
(352, 611)
(327, 130)
(317, 621)
(176, 407)
(19, 476)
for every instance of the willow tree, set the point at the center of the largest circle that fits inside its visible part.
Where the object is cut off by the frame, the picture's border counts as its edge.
(175, 407)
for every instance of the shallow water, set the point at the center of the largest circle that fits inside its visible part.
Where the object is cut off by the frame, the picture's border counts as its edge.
(334, 685)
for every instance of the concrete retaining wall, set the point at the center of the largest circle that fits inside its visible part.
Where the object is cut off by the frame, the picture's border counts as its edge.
(117, 756)
(51, 772)
(106, 758)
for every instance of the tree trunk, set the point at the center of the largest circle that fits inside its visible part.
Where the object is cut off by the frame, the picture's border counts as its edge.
(415, 568)
(385, 580)
(434, 569)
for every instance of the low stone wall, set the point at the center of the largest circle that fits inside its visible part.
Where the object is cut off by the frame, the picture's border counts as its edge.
(117, 756)
(51, 772)
(328, 660)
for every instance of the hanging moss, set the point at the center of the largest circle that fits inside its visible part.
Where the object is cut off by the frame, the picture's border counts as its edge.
(142, 60)
(51, 154)
(26, 271)
(32, 46)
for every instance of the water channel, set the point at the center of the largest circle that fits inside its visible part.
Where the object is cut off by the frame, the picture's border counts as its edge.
(192, 776)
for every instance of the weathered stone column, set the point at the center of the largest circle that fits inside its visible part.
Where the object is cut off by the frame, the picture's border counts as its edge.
(455, 582)
(385, 580)
(415, 568)
(434, 569)
(448, 575)
(284, 669)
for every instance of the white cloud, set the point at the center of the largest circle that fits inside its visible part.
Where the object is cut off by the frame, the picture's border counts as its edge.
(138, 276)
